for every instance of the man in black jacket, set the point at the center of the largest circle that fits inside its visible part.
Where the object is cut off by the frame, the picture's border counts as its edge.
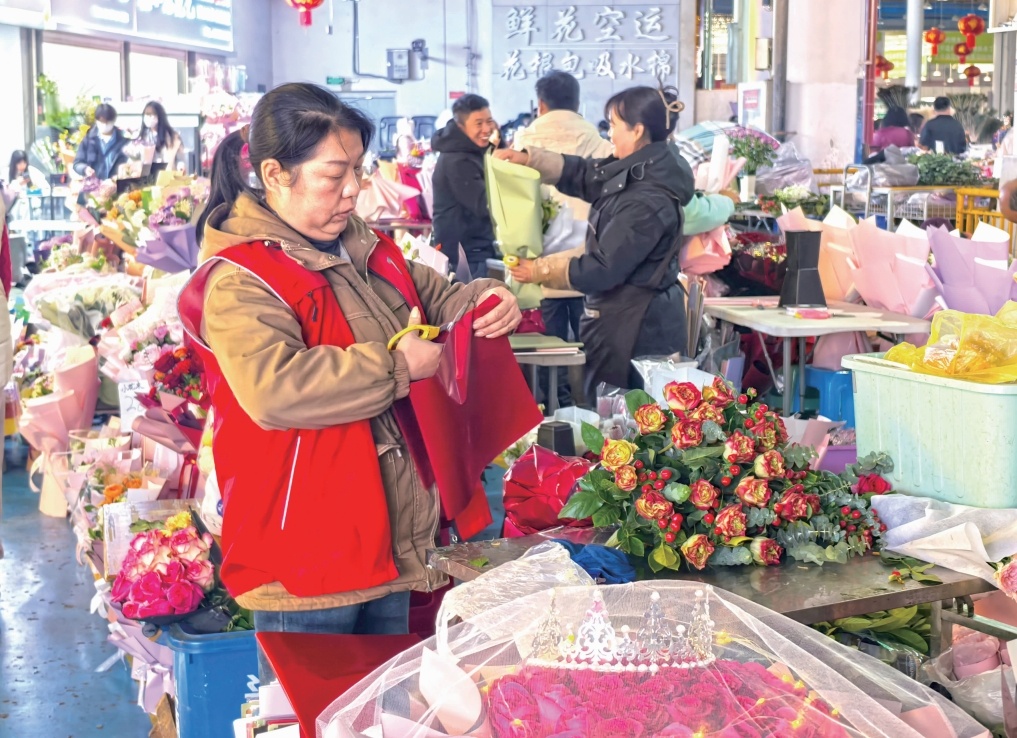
(461, 216)
(102, 150)
(943, 131)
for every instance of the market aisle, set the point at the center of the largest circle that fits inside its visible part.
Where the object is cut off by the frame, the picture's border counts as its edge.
(50, 644)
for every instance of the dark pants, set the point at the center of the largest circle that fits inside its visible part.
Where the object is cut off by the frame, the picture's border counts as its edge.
(561, 319)
(389, 615)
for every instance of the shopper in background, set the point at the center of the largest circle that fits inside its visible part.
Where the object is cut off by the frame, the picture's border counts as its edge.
(18, 172)
(894, 130)
(943, 133)
(629, 273)
(156, 131)
(6, 340)
(560, 128)
(461, 216)
(102, 149)
(326, 523)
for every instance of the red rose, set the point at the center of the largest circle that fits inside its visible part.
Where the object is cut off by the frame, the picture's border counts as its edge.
(697, 550)
(769, 465)
(753, 492)
(798, 506)
(653, 506)
(165, 362)
(719, 393)
(730, 522)
(766, 436)
(739, 448)
(872, 484)
(707, 412)
(626, 477)
(682, 396)
(650, 419)
(766, 551)
(704, 495)
(687, 434)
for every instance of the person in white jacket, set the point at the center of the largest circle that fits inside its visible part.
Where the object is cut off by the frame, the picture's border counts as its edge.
(560, 128)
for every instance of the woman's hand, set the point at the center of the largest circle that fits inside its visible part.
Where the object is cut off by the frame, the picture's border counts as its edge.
(516, 157)
(422, 356)
(503, 319)
(523, 271)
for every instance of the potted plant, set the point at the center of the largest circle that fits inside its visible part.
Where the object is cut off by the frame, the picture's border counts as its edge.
(758, 150)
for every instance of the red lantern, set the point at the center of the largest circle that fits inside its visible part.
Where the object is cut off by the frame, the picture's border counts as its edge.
(972, 73)
(962, 50)
(971, 26)
(935, 37)
(305, 7)
(884, 66)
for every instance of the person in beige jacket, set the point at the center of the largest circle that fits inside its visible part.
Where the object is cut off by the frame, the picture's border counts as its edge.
(560, 128)
(306, 149)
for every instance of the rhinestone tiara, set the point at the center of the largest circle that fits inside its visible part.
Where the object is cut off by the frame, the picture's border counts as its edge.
(598, 646)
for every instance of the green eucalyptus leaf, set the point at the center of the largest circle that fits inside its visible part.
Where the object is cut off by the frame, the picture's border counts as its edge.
(677, 493)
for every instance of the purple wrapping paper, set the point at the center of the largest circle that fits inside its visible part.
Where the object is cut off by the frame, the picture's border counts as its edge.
(176, 249)
(967, 282)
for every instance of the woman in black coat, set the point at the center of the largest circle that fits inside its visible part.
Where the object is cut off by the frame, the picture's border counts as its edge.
(629, 273)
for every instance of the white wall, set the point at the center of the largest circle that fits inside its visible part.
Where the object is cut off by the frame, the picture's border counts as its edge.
(252, 40)
(824, 53)
(12, 122)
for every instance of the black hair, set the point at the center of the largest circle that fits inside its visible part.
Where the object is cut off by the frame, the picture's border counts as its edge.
(288, 124)
(559, 91)
(941, 104)
(646, 105)
(105, 112)
(603, 126)
(896, 117)
(467, 104)
(164, 133)
(16, 158)
(916, 121)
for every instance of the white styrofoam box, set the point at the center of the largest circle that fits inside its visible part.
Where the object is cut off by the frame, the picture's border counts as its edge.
(950, 439)
(576, 416)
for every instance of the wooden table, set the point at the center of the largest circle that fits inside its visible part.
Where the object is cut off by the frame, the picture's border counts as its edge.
(763, 315)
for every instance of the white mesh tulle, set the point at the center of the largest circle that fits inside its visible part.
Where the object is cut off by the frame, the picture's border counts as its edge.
(594, 662)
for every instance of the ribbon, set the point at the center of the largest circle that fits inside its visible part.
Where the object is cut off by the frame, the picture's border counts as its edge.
(675, 107)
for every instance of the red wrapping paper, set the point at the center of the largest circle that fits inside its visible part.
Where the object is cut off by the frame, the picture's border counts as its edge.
(536, 489)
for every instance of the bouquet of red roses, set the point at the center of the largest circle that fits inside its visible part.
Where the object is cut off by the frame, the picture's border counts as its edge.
(181, 373)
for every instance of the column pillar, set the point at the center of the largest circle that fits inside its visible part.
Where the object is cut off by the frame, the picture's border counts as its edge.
(915, 31)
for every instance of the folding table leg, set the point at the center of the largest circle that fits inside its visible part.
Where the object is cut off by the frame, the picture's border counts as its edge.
(552, 400)
(788, 383)
(801, 374)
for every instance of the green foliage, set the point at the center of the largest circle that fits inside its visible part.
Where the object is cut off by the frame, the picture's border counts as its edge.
(901, 626)
(944, 170)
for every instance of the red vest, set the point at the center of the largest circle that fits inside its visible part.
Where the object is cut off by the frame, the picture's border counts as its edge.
(302, 507)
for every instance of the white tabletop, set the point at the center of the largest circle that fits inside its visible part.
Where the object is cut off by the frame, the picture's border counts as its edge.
(536, 358)
(762, 314)
(24, 226)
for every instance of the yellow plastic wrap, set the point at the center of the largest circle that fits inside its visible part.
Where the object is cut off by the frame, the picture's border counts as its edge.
(978, 348)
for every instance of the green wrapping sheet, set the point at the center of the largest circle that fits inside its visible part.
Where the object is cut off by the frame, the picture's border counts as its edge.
(513, 197)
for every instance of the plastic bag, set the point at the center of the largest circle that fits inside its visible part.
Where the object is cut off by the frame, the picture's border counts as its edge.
(788, 169)
(980, 695)
(537, 487)
(978, 348)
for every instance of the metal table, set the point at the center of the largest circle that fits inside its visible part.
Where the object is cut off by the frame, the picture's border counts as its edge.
(763, 315)
(390, 225)
(803, 592)
(883, 201)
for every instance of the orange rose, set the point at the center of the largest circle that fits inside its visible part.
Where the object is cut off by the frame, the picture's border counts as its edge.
(133, 483)
(617, 454)
(739, 448)
(703, 495)
(765, 551)
(769, 465)
(697, 550)
(730, 522)
(706, 412)
(687, 434)
(682, 397)
(719, 393)
(753, 492)
(111, 493)
(653, 506)
(180, 352)
(650, 419)
(626, 477)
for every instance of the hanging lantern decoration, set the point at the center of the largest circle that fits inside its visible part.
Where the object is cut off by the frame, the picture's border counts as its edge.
(884, 66)
(971, 26)
(305, 7)
(935, 37)
(962, 50)
(972, 73)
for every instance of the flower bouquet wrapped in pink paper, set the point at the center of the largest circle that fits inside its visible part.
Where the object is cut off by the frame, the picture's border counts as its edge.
(668, 659)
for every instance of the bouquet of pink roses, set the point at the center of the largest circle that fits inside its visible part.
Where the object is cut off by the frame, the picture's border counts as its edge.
(167, 572)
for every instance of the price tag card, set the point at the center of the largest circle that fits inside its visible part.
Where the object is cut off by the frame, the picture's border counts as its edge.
(130, 407)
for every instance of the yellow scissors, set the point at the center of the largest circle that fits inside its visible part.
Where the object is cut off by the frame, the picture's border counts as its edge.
(426, 332)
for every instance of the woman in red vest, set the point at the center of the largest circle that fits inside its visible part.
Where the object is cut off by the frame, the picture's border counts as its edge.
(326, 523)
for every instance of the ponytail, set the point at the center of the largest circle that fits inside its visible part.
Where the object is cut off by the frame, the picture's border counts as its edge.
(229, 178)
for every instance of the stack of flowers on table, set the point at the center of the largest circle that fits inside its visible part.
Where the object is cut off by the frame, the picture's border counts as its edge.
(640, 660)
(710, 478)
(156, 224)
(130, 349)
(66, 255)
(795, 196)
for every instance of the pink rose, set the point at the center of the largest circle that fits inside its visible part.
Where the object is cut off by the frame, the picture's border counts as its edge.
(156, 609)
(1006, 578)
(765, 551)
(184, 597)
(697, 550)
(174, 572)
(769, 465)
(730, 522)
(718, 394)
(739, 448)
(201, 573)
(687, 434)
(704, 495)
(121, 589)
(753, 492)
(148, 588)
(650, 419)
(682, 397)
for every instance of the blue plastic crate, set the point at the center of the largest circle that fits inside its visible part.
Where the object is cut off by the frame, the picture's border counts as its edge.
(836, 394)
(212, 674)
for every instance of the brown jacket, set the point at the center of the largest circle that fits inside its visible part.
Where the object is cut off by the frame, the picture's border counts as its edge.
(282, 384)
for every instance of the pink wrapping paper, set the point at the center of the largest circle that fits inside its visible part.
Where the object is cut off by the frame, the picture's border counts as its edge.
(382, 199)
(706, 253)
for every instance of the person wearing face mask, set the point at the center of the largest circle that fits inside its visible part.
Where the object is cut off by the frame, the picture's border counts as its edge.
(461, 216)
(326, 523)
(156, 131)
(102, 149)
(628, 274)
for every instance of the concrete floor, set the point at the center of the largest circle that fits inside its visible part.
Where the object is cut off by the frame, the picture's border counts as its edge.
(50, 645)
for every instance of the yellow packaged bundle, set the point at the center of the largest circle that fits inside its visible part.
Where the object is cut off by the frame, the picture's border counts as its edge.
(979, 348)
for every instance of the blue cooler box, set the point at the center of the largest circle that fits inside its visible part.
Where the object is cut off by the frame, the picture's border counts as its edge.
(212, 673)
